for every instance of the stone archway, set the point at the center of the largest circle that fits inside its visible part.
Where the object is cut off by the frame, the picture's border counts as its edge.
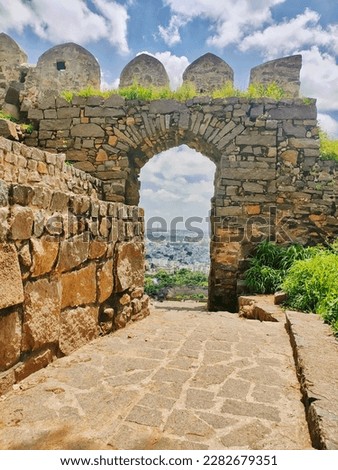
(168, 124)
(266, 155)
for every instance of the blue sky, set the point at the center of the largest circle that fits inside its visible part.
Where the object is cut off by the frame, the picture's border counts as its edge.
(244, 33)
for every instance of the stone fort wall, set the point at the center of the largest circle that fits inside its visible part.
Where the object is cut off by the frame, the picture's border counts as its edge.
(270, 182)
(71, 265)
(71, 232)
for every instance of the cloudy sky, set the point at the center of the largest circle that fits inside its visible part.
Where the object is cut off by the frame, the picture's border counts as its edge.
(244, 33)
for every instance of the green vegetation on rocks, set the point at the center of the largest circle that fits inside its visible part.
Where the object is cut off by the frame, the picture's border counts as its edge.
(185, 92)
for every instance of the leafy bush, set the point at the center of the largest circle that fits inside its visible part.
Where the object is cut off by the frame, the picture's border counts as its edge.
(312, 286)
(259, 90)
(328, 147)
(307, 275)
(270, 263)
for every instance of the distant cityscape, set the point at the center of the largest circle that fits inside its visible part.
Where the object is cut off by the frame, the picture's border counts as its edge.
(177, 249)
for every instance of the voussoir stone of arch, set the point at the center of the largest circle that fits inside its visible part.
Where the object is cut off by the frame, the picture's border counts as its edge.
(208, 73)
(145, 70)
(285, 72)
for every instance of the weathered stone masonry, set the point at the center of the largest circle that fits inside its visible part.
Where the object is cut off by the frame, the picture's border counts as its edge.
(269, 180)
(71, 265)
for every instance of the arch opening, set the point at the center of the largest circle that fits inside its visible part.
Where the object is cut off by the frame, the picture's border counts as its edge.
(176, 189)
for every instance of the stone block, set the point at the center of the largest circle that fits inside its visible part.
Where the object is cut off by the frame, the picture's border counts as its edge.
(10, 277)
(50, 114)
(304, 143)
(78, 326)
(249, 174)
(73, 252)
(22, 195)
(41, 314)
(105, 281)
(166, 107)
(59, 202)
(79, 287)
(21, 224)
(256, 139)
(3, 194)
(55, 124)
(7, 380)
(294, 131)
(101, 156)
(290, 156)
(253, 209)
(253, 188)
(114, 100)
(77, 155)
(293, 112)
(97, 249)
(129, 266)
(98, 111)
(36, 362)
(10, 339)
(4, 227)
(64, 113)
(229, 211)
(35, 114)
(85, 166)
(8, 130)
(87, 130)
(44, 254)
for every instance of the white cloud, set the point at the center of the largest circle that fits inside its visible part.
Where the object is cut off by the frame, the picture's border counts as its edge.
(174, 65)
(109, 85)
(319, 78)
(65, 20)
(328, 124)
(171, 34)
(177, 183)
(229, 19)
(285, 37)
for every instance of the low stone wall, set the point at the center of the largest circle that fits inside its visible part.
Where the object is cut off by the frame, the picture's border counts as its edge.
(71, 265)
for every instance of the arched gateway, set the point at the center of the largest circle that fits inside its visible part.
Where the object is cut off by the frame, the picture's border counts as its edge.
(269, 180)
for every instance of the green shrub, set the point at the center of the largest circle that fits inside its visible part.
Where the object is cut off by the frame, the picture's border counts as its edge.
(259, 90)
(328, 147)
(312, 286)
(269, 265)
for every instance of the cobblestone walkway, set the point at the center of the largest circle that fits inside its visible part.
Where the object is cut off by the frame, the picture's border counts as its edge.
(180, 379)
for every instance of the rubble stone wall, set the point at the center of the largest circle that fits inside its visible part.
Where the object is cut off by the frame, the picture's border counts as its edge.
(270, 182)
(71, 265)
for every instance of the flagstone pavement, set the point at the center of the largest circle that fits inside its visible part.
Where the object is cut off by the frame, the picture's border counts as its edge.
(182, 378)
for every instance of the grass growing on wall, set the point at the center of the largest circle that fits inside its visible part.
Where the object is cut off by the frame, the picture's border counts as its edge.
(8, 117)
(185, 92)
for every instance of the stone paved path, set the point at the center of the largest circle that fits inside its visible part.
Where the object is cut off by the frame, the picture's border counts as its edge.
(180, 379)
